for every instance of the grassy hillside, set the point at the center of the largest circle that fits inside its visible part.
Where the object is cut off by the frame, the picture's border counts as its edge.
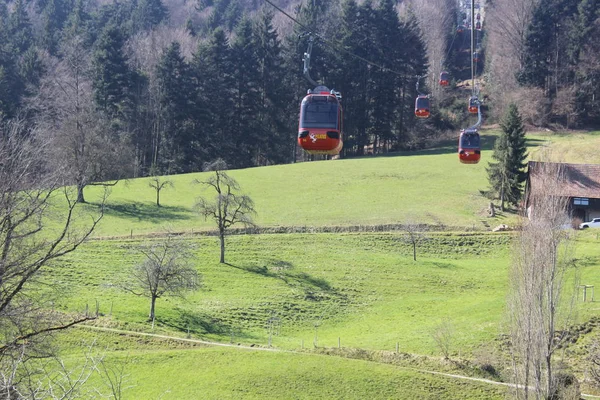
(229, 373)
(571, 147)
(432, 187)
(362, 290)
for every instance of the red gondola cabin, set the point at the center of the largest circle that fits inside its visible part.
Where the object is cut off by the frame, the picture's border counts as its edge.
(473, 105)
(320, 126)
(469, 148)
(422, 106)
(460, 29)
(444, 78)
(478, 25)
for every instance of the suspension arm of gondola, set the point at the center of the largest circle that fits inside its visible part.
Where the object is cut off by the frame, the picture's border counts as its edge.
(417, 86)
(473, 46)
(479, 117)
(306, 60)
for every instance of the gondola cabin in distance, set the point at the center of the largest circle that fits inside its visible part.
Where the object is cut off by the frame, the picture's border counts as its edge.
(444, 78)
(320, 126)
(473, 105)
(422, 106)
(469, 147)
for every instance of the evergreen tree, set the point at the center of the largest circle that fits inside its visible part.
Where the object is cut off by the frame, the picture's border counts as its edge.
(274, 95)
(246, 135)
(414, 63)
(21, 34)
(177, 145)
(79, 19)
(507, 174)
(213, 71)
(148, 14)
(388, 55)
(54, 17)
(113, 80)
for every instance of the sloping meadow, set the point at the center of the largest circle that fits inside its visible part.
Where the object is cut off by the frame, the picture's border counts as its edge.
(359, 289)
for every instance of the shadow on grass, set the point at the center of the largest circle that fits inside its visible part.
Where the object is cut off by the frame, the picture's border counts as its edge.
(146, 212)
(442, 265)
(587, 261)
(284, 270)
(198, 323)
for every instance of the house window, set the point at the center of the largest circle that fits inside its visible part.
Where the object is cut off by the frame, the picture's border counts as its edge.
(581, 201)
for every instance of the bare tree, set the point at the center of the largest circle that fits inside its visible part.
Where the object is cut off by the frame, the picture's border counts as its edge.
(507, 22)
(594, 362)
(32, 236)
(113, 376)
(165, 270)
(436, 19)
(443, 335)
(158, 183)
(83, 144)
(537, 306)
(413, 234)
(229, 207)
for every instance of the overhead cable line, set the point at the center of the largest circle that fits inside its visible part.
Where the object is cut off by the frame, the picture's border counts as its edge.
(336, 46)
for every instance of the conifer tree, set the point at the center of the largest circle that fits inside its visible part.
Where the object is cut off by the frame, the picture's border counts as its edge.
(148, 14)
(176, 146)
(21, 34)
(213, 71)
(113, 79)
(54, 16)
(246, 134)
(274, 95)
(388, 55)
(507, 174)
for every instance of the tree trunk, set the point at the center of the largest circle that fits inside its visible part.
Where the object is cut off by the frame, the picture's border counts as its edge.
(502, 199)
(152, 303)
(80, 198)
(222, 239)
(158, 198)
(414, 251)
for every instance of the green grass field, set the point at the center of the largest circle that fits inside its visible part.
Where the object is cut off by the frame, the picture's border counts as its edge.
(432, 187)
(230, 373)
(360, 290)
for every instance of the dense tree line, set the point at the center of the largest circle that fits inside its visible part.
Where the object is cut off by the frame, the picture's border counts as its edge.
(123, 90)
(545, 57)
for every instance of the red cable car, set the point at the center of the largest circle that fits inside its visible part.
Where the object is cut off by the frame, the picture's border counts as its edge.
(476, 56)
(473, 105)
(469, 148)
(478, 26)
(422, 106)
(444, 78)
(320, 125)
(478, 16)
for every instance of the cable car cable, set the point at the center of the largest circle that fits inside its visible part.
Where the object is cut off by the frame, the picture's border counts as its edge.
(336, 46)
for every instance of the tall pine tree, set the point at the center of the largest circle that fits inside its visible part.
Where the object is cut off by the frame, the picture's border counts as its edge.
(176, 147)
(113, 80)
(507, 174)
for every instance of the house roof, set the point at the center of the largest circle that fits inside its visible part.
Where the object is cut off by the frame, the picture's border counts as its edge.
(580, 180)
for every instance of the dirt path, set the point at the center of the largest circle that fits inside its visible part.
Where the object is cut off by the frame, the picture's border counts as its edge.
(208, 343)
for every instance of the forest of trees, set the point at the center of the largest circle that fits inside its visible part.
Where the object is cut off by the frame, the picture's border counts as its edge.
(150, 87)
(545, 56)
